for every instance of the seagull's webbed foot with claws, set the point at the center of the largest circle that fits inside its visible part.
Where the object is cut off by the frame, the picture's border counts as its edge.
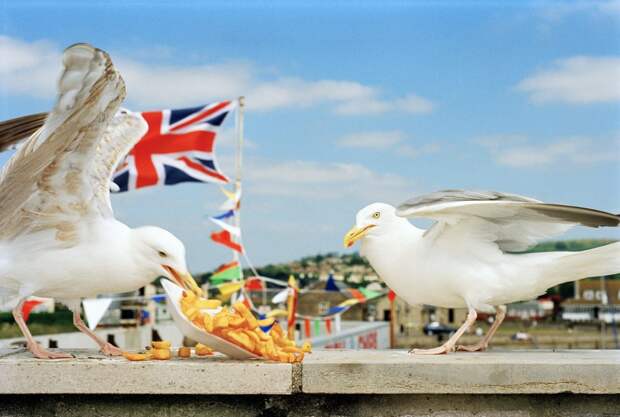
(110, 350)
(440, 350)
(36, 349)
(41, 353)
(449, 345)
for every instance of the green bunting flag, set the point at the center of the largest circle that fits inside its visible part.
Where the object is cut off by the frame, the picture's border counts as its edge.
(369, 294)
(226, 272)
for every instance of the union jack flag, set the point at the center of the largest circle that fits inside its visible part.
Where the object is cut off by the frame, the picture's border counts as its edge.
(177, 147)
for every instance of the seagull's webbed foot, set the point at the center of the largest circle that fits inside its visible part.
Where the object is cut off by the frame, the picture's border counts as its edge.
(41, 353)
(478, 347)
(449, 345)
(110, 350)
(440, 350)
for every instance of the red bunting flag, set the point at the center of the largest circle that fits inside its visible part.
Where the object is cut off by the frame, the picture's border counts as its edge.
(254, 284)
(224, 238)
(28, 306)
(307, 328)
(391, 296)
(357, 294)
(328, 326)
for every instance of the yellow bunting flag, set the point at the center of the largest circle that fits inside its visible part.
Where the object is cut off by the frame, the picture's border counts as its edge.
(228, 289)
(349, 302)
(277, 313)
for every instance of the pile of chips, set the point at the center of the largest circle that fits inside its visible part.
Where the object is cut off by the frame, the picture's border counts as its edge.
(239, 326)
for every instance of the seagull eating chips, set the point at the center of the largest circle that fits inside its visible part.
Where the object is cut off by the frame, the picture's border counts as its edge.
(58, 234)
(468, 258)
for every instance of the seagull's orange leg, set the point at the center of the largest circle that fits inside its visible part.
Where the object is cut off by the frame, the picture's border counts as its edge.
(484, 343)
(449, 345)
(33, 346)
(106, 348)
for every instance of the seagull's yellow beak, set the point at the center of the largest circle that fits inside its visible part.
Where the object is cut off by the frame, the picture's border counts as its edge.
(355, 234)
(184, 279)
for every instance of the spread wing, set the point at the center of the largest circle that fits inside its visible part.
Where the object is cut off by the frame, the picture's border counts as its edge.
(61, 174)
(510, 221)
(15, 131)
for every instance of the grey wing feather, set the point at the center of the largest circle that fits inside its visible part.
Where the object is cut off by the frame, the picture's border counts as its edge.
(15, 131)
(444, 196)
(511, 221)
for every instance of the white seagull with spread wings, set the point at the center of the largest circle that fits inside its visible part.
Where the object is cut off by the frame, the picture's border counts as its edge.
(58, 235)
(467, 258)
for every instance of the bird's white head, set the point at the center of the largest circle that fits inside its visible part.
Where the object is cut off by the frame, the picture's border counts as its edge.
(373, 220)
(163, 254)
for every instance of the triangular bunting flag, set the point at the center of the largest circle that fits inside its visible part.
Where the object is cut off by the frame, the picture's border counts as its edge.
(224, 238)
(28, 306)
(369, 294)
(254, 284)
(331, 285)
(349, 302)
(227, 272)
(357, 294)
(94, 310)
(280, 297)
(228, 289)
(233, 230)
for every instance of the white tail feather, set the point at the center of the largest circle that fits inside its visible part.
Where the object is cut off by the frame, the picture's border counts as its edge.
(601, 261)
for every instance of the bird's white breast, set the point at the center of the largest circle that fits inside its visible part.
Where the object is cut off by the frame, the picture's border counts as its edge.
(101, 262)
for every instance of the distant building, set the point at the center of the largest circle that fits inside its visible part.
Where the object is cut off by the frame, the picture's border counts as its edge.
(595, 299)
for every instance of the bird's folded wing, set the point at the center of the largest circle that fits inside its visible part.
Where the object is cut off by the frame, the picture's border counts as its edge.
(58, 175)
(511, 221)
(15, 131)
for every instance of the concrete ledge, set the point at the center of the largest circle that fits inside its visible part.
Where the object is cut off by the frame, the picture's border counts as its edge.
(514, 372)
(323, 372)
(92, 373)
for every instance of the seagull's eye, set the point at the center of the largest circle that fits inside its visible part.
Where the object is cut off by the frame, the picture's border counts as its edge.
(162, 254)
(376, 215)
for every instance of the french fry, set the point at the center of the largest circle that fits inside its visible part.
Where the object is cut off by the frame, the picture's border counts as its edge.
(203, 350)
(209, 304)
(160, 354)
(207, 321)
(262, 335)
(242, 339)
(236, 321)
(220, 321)
(306, 347)
(135, 356)
(184, 352)
(163, 344)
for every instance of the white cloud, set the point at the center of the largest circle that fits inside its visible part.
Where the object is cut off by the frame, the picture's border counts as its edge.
(323, 180)
(521, 153)
(576, 80)
(411, 103)
(556, 11)
(372, 140)
(387, 140)
(415, 152)
(32, 68)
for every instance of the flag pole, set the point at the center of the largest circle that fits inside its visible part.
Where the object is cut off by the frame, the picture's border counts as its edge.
(238, 166)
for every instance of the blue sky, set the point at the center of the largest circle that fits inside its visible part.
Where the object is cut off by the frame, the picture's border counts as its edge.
(350, 103)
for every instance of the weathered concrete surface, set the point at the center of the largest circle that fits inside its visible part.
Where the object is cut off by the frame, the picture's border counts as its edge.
(510, 372)
(317, 405)
(92, 373)
(323, 372)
